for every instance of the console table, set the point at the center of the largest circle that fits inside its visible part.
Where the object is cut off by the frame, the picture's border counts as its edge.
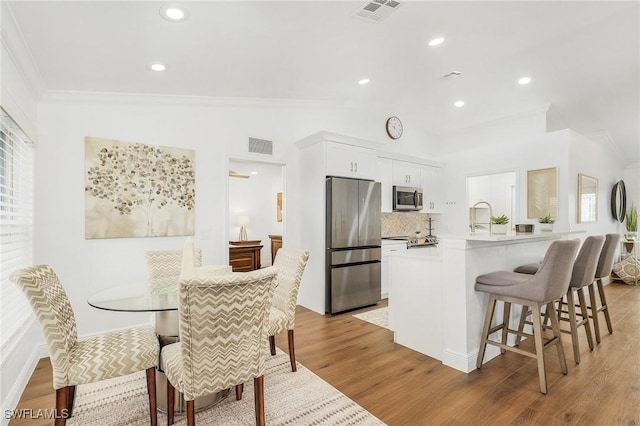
(244, 256)
(276, 243)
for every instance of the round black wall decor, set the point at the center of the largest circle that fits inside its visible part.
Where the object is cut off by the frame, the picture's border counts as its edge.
(619, 201)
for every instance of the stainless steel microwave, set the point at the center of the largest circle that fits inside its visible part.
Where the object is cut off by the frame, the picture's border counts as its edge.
(407, 198)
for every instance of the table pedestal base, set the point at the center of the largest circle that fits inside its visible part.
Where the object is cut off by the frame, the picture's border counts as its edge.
(180, 406)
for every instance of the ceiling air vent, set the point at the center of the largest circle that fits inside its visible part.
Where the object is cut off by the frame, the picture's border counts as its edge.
(377, 10)
(260, 146)
(451, 75)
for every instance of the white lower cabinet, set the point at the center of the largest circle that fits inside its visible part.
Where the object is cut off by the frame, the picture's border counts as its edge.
(389, 246)
(415, 301)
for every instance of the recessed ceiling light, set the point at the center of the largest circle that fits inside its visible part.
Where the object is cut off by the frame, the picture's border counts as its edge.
(157, 66)
(459, 104)
(524, 80)
(363, 81)
(173, 12)
(254, 173)
(436, 41)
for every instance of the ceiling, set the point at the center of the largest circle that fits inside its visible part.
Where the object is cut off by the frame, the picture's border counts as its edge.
(583, 57)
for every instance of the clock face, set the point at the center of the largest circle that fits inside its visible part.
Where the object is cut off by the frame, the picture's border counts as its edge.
(394, 127)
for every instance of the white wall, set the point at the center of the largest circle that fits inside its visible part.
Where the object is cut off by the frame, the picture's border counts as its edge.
(632, 184)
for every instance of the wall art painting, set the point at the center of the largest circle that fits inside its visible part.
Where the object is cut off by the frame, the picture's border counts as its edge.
(542, 193)
(138, 190)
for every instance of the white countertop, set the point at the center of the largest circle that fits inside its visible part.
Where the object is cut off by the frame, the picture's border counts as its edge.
(521, 236)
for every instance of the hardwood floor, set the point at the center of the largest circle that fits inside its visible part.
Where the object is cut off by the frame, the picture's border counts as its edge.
(403, 387)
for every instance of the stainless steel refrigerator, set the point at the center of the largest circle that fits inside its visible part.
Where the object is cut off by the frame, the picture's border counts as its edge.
(353, 244)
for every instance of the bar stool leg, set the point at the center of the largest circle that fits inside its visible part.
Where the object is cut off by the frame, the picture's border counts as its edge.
(555, 326)
(537, 336)
(523, 318)
(506, 313)
(571, 307)
(585, 317)
(594, 311)
(491, 306)
(604, 305)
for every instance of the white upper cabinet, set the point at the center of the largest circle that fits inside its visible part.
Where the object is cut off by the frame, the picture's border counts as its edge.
(350, 161)
(385, 177)
(406, 174)
(432, 193)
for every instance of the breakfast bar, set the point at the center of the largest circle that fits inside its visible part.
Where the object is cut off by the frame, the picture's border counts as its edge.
(446, 311)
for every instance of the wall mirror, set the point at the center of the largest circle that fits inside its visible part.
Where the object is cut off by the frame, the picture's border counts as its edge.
(542, 193)
(587, 198)
(619, 201)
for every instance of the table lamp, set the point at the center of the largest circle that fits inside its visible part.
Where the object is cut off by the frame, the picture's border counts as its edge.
(243, 221)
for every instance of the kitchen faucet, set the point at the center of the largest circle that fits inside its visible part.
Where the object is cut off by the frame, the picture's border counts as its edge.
(472, 215)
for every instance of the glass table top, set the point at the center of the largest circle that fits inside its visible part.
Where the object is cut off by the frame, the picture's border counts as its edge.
(134, 298)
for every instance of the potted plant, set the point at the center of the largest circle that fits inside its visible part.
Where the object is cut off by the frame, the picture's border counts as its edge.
(546, 223)
(499, 224)
(631, 222)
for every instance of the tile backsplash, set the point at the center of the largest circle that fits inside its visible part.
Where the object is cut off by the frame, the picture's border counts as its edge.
(406, 224)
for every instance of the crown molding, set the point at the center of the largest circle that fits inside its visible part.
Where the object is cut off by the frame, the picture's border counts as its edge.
(604, 138)
(15, 45)
(67, 96)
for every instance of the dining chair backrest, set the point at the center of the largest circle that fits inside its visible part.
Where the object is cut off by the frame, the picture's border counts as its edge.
(50, 303)
(605, 263)
(290, 264)
(164, 268)
(552, 279)
(223, 329)
(584, 268)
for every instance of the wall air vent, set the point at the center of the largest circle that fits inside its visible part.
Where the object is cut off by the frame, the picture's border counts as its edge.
(451, 75)
(377, 10)
(261, 146)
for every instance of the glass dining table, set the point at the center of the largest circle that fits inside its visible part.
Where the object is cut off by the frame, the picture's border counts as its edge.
(138, 297)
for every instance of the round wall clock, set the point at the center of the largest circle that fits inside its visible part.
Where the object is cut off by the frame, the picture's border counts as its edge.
(394, 127)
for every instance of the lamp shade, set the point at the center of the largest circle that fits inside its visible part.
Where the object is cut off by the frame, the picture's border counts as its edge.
(243, 220)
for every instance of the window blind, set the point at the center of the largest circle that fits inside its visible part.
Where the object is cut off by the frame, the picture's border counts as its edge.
(16, 223)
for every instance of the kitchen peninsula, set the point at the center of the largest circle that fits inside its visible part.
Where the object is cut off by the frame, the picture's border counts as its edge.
(433, 307)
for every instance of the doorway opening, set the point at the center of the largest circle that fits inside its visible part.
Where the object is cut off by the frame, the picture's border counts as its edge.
(256, 200)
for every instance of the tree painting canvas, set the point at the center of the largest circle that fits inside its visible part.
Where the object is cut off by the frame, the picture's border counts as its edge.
(542, 193)
(138, 190)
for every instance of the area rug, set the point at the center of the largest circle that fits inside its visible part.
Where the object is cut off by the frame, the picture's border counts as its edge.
(299, 398)
(379, 317)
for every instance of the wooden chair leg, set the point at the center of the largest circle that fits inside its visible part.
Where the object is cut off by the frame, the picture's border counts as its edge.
(292, 351)
(604, 306)
(62, 404)
(537, 336)
(523, 319)
(491, 306)
(151, 390)
(258, 386)
(571, 306)
(506, 313)
(585, 317)
(594, 311)
(239, 390)
(191, 413)
(555, 326)
(171, 401)
(272, 344)
(71, 398)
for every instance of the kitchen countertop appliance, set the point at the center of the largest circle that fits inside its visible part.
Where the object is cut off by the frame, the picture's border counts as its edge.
(353, 244)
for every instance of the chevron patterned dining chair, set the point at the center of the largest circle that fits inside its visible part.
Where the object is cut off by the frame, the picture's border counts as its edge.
(222, 338)
(164, 268)
(290, 264)
(77, 362)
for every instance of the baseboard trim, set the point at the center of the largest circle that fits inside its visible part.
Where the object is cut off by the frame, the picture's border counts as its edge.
(467, 362)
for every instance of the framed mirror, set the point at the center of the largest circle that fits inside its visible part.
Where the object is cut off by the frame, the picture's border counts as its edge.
(619, 201)
(587, 198)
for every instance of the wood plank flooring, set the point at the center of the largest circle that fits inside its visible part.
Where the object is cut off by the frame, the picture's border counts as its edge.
(403, 387)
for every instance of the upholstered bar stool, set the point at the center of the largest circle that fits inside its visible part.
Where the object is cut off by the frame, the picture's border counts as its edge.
(582, 275)
(605, 263)
(545, 287)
